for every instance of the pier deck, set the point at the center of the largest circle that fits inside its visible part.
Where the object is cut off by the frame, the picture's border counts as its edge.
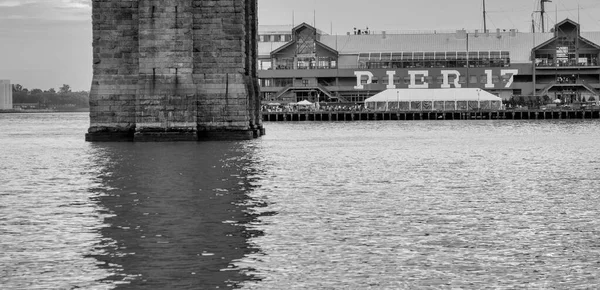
(431, 115)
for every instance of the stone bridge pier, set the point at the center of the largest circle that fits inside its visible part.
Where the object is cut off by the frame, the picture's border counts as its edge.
(174, 70)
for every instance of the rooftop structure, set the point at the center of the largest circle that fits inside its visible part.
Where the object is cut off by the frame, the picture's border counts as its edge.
(349, 68)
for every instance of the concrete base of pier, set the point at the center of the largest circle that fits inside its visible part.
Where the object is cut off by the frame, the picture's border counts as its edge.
(165, 136)
(122, 136)
(174, 136)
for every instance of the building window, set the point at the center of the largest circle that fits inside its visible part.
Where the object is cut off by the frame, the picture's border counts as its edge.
(282, 82)
(433, 59)
(265, 83)
(440, 79)
(544, 59)
(483, 79)
(324, 63)
(268, 96)
(305, 63)
(284, 63)
(265, 65)
(363, 59)
(495, 79)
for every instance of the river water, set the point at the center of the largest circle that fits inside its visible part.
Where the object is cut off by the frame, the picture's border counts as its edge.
(356, 205)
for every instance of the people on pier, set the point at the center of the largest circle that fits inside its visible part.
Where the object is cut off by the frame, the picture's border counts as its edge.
(566, 79)
(318, 108)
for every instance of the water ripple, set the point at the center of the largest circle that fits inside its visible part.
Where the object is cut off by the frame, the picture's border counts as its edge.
(356, 205)
(429, 205)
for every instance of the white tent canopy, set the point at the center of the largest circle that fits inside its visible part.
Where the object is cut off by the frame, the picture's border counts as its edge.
(417, 95)
(437, 99)
(304, 103)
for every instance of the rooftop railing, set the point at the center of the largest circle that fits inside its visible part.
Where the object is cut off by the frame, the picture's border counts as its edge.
(570, 63)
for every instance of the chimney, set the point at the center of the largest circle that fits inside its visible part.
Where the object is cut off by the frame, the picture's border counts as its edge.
(461, 34)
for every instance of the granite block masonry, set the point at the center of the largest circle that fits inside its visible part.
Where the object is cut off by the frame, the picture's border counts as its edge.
(174, 70)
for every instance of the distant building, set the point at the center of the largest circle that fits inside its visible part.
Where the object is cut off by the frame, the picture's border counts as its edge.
(306, 64)
(26, 106)
(6, 97)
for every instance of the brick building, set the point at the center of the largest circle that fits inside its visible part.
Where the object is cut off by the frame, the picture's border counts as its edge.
(305, 63)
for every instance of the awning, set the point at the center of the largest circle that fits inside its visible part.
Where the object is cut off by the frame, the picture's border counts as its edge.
(418, 95)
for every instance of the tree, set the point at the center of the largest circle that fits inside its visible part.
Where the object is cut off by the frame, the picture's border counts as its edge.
(66, 98)
(65, 89)
(17, 88)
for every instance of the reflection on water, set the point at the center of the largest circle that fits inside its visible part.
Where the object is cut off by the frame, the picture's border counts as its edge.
(177, 213)
(120, 215)
(359, 205)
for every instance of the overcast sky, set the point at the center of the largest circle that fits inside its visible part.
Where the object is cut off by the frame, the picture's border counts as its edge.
(47, 43)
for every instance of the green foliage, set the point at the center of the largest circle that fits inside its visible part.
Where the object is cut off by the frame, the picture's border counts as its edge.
(50, 98)
(17, 88)
(65, 89)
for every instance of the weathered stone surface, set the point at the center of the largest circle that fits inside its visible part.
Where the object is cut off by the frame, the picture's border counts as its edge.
(174, 70)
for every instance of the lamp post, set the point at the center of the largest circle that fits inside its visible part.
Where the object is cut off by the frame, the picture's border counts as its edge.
(467, 47)
(533, 60)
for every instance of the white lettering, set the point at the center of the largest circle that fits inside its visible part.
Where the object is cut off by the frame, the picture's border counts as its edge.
(391, 75)
(490, 83)
(413, 79)
(446, 73)
(418, 79)
(359, 75)
(513, 73)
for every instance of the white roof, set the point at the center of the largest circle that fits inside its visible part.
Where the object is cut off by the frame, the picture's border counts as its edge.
(265, 48)
(454, 94)
(305, 102)
(275, 29)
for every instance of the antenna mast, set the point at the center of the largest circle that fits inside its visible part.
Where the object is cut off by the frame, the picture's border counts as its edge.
(484, 20)
(542, 12)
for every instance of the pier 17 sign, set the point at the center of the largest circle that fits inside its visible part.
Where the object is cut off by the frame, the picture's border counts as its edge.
(425, 79)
